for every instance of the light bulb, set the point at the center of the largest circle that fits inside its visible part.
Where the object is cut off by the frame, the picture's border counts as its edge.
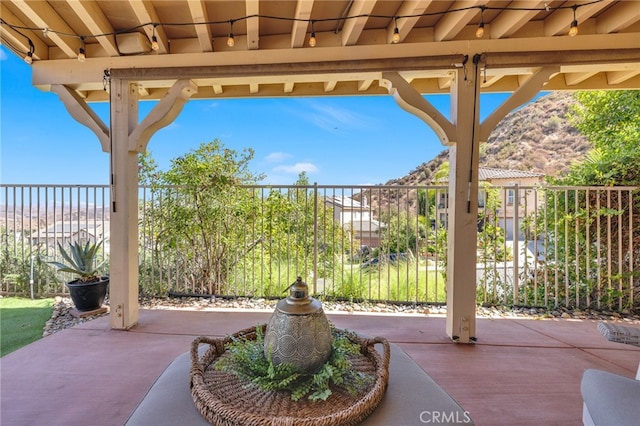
(81, 55)
(480, 30)
(573, 30)
(230, 40)
(396, 36)
(154, 43)
(312, 40)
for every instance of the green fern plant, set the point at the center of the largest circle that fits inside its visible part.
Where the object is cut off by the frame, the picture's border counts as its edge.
(246, 360)
(81, 261)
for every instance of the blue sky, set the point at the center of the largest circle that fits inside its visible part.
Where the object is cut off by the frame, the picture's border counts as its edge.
(336, 140)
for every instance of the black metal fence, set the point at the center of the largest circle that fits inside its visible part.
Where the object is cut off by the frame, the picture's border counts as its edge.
(548, 246)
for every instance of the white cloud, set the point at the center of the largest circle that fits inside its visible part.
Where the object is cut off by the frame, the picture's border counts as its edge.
(173, 126)
(211, 105)
(277, 157)
(3, 55)
(297, 168)
(331, 117)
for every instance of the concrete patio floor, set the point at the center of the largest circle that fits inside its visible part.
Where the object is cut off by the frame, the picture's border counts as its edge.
(520, 372)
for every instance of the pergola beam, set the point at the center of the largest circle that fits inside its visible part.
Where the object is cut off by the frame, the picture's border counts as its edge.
(299, 26)
(307, 61)
(20, 41)
(510, 21)
(618, 17)
(45, 16)
(353, 27)
(452, 23)
(145, 12)
(198, 11)
(494, 60)
(409, 8)
(558, 23)
(253, 24)
(97, 22)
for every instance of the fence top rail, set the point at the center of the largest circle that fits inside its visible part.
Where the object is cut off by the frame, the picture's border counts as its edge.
(51, 185)
(346, 186)
(430, 186)
(591, 188)
(363, 187)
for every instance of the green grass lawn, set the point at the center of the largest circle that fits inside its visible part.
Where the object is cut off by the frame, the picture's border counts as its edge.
(22, 321)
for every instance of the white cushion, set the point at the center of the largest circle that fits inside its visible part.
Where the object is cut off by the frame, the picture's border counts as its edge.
(610, 399)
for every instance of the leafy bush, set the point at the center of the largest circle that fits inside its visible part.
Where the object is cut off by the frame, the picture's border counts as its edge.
(248, 362)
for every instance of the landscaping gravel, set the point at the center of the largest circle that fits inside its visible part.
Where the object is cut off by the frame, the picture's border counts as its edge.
(61, 317)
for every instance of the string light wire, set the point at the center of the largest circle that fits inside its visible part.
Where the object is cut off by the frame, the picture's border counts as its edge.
(230, 39)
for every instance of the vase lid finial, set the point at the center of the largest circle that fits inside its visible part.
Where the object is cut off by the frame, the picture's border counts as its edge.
(299, 302)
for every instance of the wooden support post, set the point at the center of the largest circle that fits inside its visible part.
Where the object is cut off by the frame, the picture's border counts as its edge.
(463, 136)
(123, 256)
(124, 140)
(463, 206)
(463, 188)
(128, 138)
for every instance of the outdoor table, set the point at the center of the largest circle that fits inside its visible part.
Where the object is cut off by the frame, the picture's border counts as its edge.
(412, 398)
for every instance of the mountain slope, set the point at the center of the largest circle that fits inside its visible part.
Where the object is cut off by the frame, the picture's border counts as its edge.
(537, 137)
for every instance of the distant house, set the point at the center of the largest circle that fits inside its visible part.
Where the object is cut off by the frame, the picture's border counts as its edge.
(511, 182)
(66, 232)
(356, 218)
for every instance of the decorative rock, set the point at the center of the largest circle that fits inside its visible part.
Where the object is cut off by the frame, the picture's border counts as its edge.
(61, 319)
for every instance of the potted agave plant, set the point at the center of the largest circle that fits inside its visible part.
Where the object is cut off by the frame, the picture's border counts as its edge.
(89, 288)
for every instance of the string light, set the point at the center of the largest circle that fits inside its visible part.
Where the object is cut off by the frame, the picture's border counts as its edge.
(230, 40)
(480, 30)
(154, 39)
(29, 57)
(81, 53)
(573, 30)
(312, 39)
(396, 32)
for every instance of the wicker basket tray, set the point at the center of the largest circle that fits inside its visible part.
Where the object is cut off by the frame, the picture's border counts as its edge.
(223, 399)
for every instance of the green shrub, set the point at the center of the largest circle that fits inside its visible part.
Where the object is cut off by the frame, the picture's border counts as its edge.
(248, 362)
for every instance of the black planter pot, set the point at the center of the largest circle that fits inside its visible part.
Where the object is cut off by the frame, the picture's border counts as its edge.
(88, 296)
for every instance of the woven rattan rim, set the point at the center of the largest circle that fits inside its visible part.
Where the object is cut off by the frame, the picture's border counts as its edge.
(223, 399)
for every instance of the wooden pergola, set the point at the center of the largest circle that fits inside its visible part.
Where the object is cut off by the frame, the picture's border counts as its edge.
(124, 52)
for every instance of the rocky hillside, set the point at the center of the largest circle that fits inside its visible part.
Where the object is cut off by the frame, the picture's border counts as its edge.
(537, 138)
